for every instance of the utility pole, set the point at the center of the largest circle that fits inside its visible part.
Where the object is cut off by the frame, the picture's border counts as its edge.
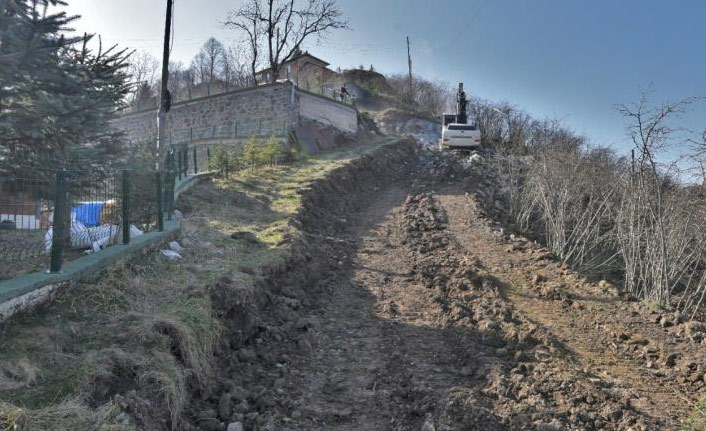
(632, 165)
(409, 64)
(166, 99)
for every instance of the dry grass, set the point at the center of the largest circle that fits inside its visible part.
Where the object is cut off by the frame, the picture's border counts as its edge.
(147, 327)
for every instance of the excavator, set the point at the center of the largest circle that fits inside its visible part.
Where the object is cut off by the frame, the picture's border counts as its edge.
(456, 133)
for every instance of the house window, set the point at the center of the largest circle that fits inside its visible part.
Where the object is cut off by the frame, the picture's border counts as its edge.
(267, 77)
(289, 70)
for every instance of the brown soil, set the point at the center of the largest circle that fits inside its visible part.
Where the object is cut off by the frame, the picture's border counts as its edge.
(406, 308)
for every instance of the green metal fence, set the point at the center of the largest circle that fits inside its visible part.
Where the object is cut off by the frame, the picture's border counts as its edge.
(51, 213)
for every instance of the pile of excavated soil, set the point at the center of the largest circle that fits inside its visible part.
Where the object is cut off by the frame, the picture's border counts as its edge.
(395, 121)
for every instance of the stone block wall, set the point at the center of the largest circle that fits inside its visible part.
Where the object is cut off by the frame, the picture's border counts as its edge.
(263, 110)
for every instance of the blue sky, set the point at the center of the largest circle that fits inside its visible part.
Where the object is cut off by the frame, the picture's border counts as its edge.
(565, 59)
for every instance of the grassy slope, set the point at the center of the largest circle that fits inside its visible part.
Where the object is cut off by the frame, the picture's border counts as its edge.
(148, 326)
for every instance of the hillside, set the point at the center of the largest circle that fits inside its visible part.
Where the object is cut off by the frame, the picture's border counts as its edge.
(388, 108)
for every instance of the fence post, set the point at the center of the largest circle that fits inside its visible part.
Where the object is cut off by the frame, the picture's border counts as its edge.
(160, 203)
(259, 128)
(170, 184)
(227, 165)
(59, 223)
(191, 130)
(185, 155)
(178, 157)
(196, 166)
(236, 130)
(126, 207)
(208, 155)
(213, 134)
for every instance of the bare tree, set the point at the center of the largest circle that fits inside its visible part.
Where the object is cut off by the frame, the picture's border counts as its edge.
(233, 67)
(143, 73)
(285, 25)
(208, 61)
(247, 20)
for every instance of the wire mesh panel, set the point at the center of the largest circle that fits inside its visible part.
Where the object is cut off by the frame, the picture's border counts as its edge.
(53, 212)
(143, 200)
(26, 207)
(94, 209)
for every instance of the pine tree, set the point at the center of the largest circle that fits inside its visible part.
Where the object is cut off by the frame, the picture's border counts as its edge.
(272, 150)
(56, 95)
(236, 159)
(251, 152)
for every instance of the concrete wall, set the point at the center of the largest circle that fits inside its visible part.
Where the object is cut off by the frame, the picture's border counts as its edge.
(274, 108)
(328, 112)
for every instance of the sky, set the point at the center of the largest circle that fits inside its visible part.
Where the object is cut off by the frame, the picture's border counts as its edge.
(556, 59)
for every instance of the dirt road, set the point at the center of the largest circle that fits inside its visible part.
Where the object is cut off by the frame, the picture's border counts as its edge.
(433, 319)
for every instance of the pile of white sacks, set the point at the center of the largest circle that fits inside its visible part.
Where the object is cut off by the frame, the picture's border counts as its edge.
(91, 238)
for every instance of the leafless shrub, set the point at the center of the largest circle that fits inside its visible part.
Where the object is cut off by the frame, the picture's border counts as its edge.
(601, 213)
(435, 97)
(566, 197)
(661, 241)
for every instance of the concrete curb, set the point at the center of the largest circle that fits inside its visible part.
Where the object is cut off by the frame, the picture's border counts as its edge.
(24, 292)
(189, 181)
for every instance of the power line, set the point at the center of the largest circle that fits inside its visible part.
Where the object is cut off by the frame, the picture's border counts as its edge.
(467, 26)
(171, 44)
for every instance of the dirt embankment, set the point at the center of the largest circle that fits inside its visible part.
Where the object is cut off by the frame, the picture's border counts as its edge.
(266, 324)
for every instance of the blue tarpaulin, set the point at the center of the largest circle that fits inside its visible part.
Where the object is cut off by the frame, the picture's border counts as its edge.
(88, 213)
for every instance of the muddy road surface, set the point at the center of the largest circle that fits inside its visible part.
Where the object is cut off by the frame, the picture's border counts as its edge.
(426, 316)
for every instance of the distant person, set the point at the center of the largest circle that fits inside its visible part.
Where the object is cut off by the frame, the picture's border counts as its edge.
(343, 92)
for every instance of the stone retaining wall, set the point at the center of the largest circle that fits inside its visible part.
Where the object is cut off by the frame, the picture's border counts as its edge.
(274, 108)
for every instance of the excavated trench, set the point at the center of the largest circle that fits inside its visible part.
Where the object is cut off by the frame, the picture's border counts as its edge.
(399, 310)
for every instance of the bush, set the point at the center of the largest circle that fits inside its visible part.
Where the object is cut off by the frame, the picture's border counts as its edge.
(430, 96)
(596, 211)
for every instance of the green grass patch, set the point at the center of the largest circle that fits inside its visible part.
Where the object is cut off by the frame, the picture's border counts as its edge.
(697, 417)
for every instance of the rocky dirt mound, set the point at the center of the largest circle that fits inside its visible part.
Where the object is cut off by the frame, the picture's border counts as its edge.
(395, 121)
(529, 381)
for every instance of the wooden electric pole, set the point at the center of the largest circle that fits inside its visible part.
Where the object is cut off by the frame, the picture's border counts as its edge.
(409, 64)
(165, 96)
